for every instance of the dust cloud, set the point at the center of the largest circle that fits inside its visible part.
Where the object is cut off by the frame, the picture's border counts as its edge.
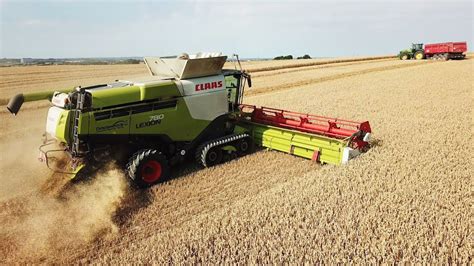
(39, 225)
(44, 214)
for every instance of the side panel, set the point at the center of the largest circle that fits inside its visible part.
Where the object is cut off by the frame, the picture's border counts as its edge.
(115, 126)
(159, 90)
(84, 123)
(306, 145)
(459, 47)
(206, 98)
(175, 122)
(207, 106)
(115, 96)
(449, 47)
(52, 121)
(171, 118)
(109, 95)
(57, 124)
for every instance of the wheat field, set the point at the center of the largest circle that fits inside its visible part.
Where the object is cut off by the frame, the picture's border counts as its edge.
(408, 199)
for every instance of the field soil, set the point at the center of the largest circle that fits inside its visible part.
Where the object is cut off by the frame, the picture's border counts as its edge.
(408, 199)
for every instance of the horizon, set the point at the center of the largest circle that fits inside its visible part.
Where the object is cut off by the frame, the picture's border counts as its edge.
(261, 29)
(136, 57)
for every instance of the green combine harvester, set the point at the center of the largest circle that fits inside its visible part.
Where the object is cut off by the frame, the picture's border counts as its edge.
(188, 108)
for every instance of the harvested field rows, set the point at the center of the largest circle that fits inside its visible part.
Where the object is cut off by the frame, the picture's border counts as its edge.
(39, 78)
(271, 66)
(303, 68)
(287, 80)
(408, 199)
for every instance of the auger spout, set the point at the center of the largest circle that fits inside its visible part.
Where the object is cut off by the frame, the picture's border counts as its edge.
(15, 103)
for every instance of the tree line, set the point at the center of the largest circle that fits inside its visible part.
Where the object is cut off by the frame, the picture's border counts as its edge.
(287, 57)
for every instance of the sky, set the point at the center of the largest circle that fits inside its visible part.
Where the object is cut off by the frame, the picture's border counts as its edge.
(252, 29)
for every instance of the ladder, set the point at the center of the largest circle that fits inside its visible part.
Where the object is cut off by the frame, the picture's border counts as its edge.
(77, 115)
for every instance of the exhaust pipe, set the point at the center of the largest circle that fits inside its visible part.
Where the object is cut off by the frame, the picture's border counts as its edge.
(14, 104)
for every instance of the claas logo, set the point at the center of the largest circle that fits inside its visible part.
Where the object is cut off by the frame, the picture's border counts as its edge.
(208, 86)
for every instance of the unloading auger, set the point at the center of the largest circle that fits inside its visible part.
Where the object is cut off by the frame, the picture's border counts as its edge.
(189, 107)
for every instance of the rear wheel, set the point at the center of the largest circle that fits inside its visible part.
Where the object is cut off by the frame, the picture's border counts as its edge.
(148, 167)
(419, 55)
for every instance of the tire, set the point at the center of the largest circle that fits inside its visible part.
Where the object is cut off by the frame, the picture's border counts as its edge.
(445, 57)
(148, 167)
(244, 146)
(404, 57)
(419, 55)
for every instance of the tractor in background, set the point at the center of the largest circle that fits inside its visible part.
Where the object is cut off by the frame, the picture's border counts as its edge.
(415, 52)
(435, 51)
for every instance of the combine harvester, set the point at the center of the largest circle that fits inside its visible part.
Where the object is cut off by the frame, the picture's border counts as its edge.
(189, 107)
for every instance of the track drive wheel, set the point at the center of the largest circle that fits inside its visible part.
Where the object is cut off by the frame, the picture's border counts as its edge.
(419, 55)
(244, 146)
(211, 157)
(214, 156)
(147, 167)
(223, 149)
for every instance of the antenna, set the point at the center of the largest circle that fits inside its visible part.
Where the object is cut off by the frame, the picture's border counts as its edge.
(238, 61)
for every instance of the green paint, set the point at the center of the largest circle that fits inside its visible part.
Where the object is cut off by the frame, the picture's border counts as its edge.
(159, 90)
(122, 95)
(42, 95)
(175, 122)
(62, 128)
(229, 148)
(297, 143)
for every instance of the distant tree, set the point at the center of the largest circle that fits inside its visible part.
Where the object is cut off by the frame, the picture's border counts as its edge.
(306, 56)
(283, 57)
(131, 61)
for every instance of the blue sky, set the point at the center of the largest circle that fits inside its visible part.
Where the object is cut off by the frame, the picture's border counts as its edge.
(250, 28)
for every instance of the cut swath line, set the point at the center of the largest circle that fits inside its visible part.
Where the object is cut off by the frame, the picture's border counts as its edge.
(309, 68)
(318, 63)
(293, 85)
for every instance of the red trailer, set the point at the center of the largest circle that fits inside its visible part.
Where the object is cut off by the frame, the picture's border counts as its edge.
(445, 51)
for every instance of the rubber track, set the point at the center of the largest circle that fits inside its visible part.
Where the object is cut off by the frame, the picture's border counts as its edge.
(202, 150)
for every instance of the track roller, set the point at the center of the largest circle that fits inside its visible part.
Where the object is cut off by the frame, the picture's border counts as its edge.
(223, 149)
